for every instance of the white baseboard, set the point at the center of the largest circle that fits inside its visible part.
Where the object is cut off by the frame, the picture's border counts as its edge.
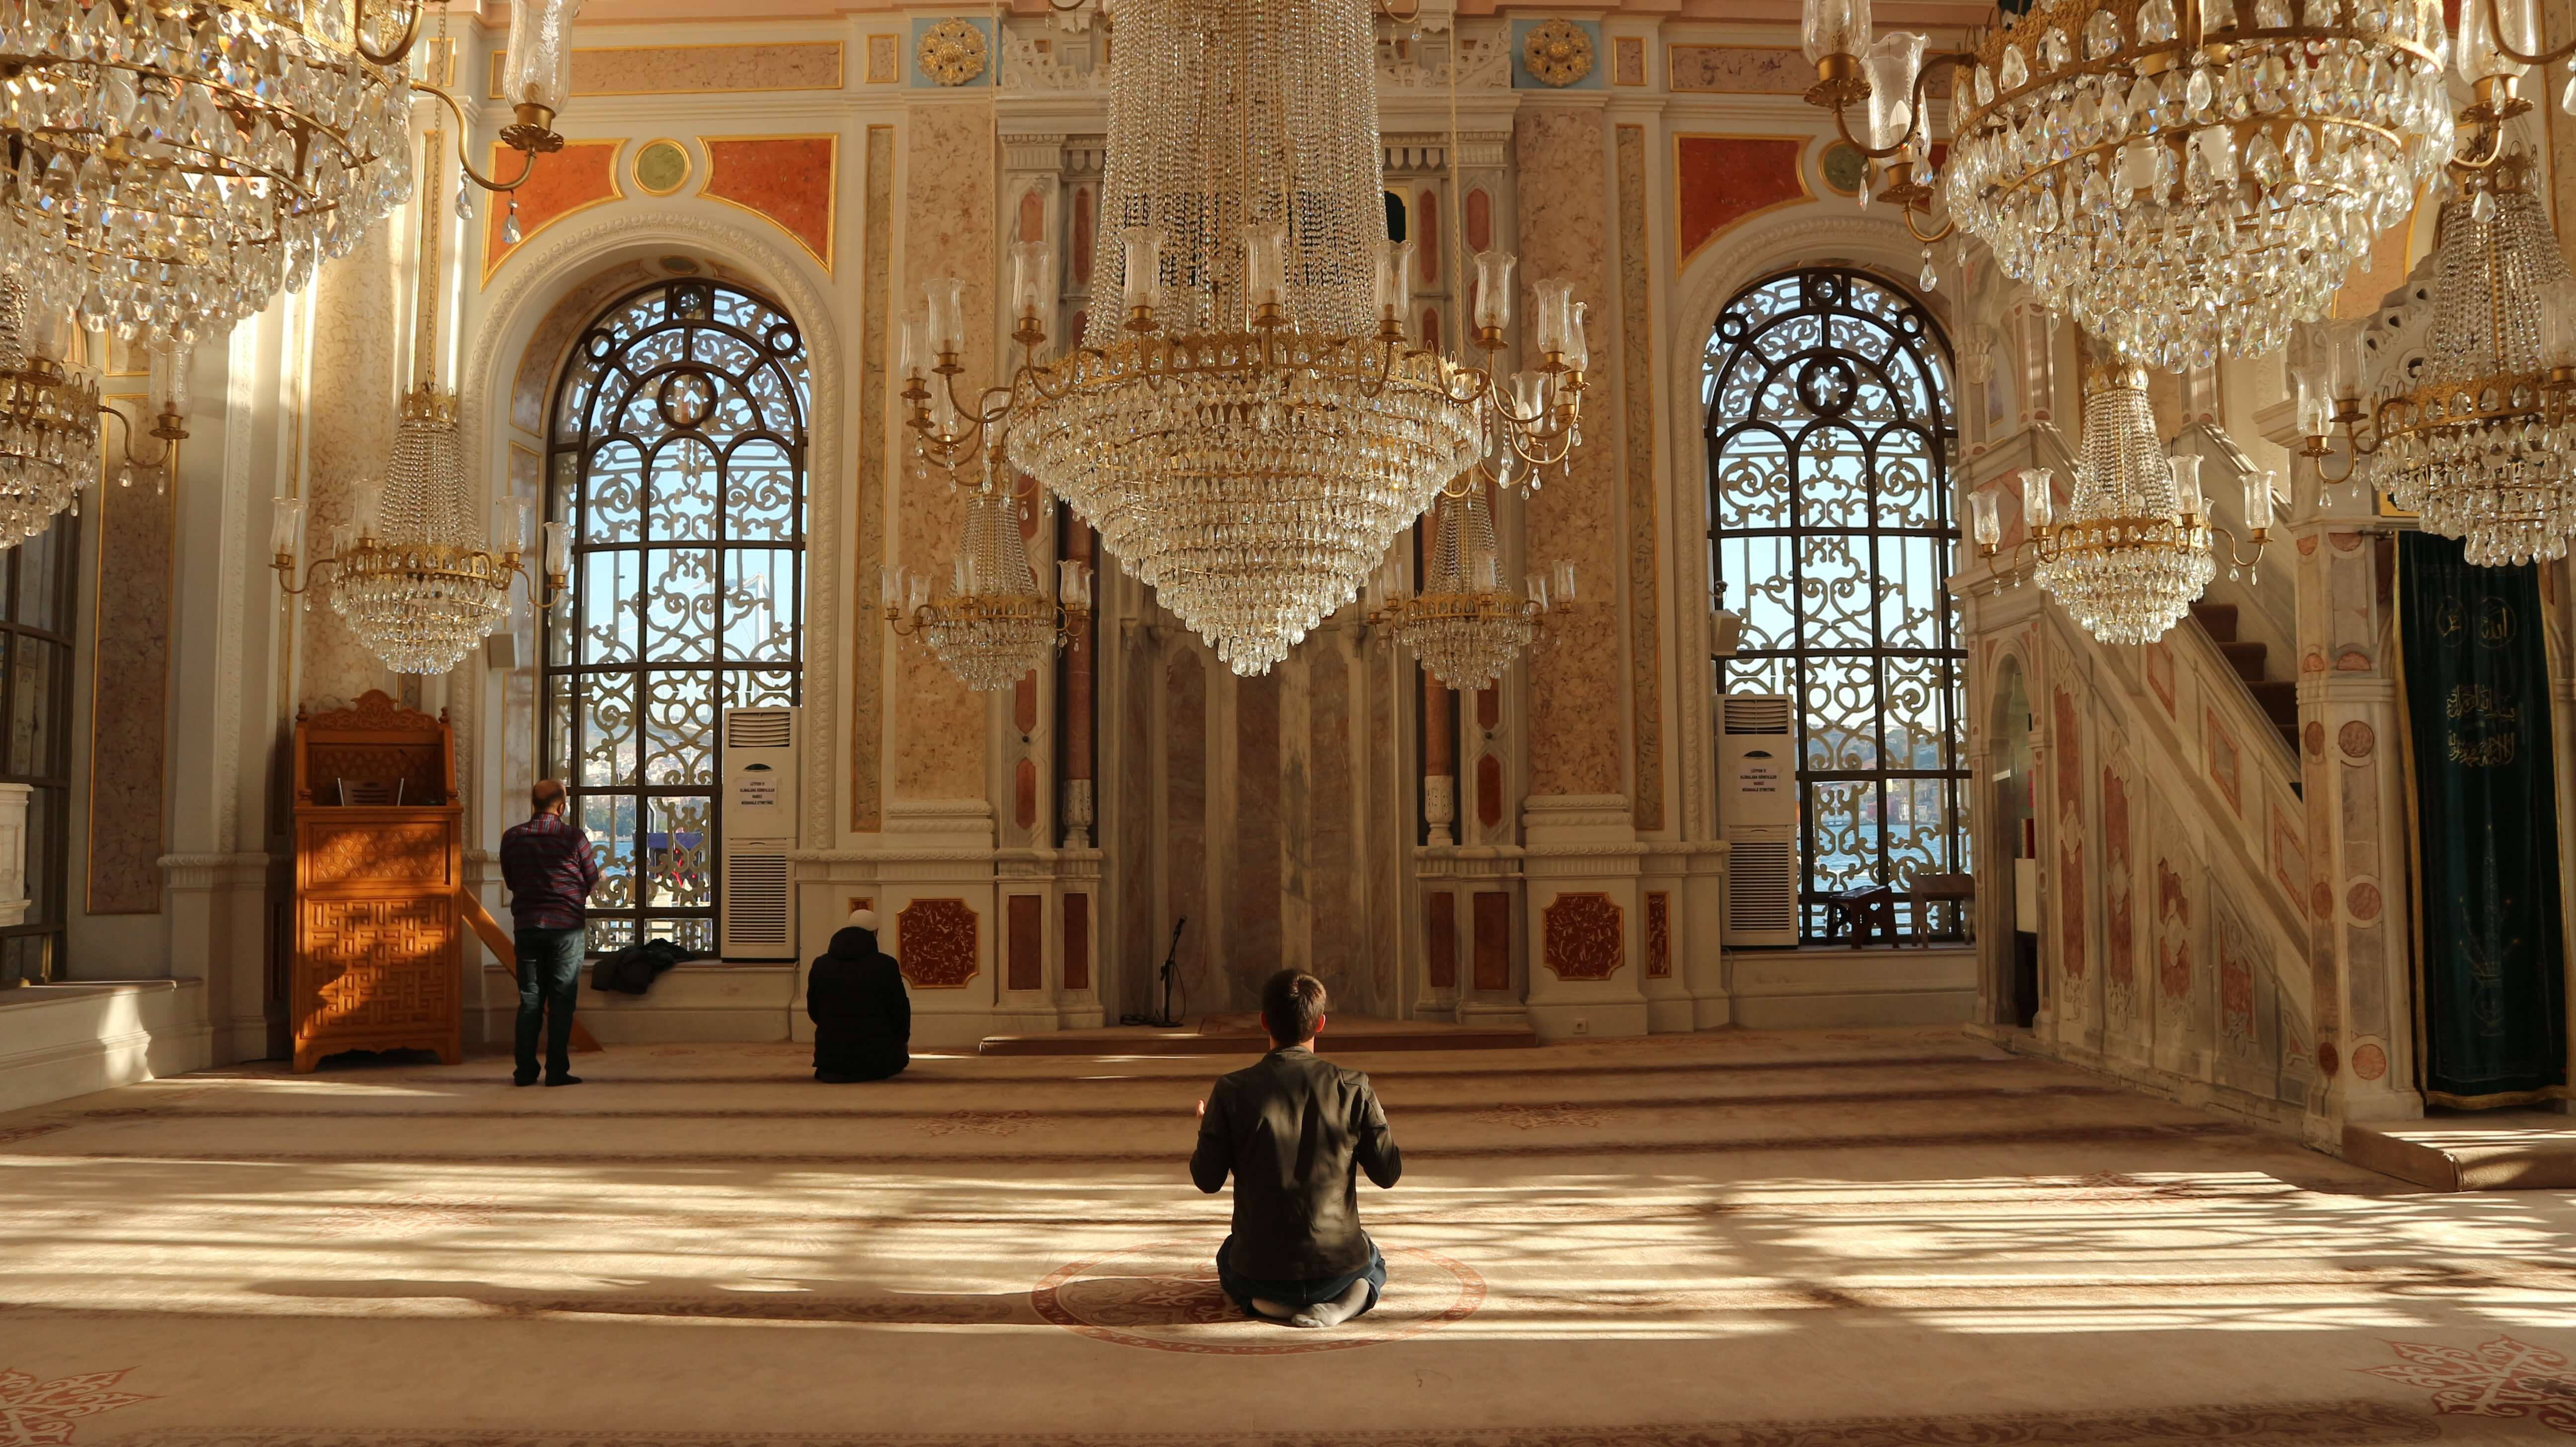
(59, 1041)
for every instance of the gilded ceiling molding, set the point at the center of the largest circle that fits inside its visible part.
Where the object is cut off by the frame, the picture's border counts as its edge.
(561, 260)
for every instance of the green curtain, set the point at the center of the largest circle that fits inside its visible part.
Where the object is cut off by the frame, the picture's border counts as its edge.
(2489, 981)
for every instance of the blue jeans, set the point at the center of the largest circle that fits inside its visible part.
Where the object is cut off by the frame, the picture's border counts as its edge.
(1298, 1294)
(549, 986)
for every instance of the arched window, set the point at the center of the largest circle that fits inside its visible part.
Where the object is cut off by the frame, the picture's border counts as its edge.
(1829, 434)
(677, 453)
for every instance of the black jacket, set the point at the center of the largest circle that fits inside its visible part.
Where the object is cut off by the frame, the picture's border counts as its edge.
(862, 1017)
(1295, 1130)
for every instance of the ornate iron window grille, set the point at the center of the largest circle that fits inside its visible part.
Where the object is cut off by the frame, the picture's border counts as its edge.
(676, 450)
(38, 602)
(1829, 437)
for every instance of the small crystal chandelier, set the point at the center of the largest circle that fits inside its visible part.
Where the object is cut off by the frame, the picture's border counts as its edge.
(2186, 177)
(2476, 435)
(49, 415)
(2135, 549)
(993, 625)
(1249, 428)
(1463, 624)
(418, 579)
(173, 166)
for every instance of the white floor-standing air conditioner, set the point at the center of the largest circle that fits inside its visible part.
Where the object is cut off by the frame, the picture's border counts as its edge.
(759, 755)
(1757, 815)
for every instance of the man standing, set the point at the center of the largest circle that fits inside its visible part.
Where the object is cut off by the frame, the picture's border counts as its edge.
(550, 870)
(862, 1017)
(1295, 1131)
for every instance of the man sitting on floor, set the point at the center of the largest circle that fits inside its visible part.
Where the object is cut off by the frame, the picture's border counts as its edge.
(1296, 1130)
(862, 1017)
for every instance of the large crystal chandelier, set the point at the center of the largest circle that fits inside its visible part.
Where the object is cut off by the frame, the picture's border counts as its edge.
(1248, 429)
(418, 578)
(172, 166)
(1463, 624)
(2186, 177)
(993, 625)
(2134, 550)
(2476, 433)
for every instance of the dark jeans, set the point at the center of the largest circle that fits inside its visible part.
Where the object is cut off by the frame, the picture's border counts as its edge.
(1298, 1294)
(549, 985)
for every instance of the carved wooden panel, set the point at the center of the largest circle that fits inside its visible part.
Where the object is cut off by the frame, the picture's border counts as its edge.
(380, 963)
(1493, 940)
(935, 943)
(1659, 935)
(376, 852)
(1026, 921)
(1584, 936)
(1077, 942)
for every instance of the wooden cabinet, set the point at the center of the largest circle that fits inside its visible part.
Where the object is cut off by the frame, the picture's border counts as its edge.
(379, 941)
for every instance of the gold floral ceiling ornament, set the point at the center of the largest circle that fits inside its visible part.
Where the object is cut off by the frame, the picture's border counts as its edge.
(952, 52)
(1557, 52)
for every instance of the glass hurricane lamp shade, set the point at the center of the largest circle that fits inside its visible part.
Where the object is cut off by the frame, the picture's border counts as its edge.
(49, 444)
(1985, 520)
(2478, 439)
(1834, 27)
(1494, 290)
(1891, 64)
(2482, 24)
(1394, 281)
(420, 587)
(1462, 625)
(2184, 202)
(538, 66)
(2126, 560)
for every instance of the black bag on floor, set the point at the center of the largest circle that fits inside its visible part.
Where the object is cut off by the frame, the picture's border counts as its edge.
(632, 971)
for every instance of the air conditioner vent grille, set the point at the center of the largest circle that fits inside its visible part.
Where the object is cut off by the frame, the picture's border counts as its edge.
(760, 728)
(1756, 713)
(755, 890)
(1762, 886)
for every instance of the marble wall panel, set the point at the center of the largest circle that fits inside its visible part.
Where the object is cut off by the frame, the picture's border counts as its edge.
(948, 231)
(1575, 707)
(791, 181)
(1637, 436)
(349, 436)
(1185, 822)
(1254, 873)
(1738, 70)
(1132, 844)
(867, 647)
(1723, 181)
(129, 700)
(581, 175)
(1341, 943)
(695, 69)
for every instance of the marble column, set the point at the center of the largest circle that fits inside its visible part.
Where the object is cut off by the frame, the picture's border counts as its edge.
(353, 367)
(1080, 549)
(1439, 759)
(1583, 912)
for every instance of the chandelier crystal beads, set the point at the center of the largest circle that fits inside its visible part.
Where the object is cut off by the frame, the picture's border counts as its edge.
(419, 586)
(1463, 624)
(1248, 428)
(49, 417)
(172, 166)
(2135, 549)
(993, 625)
(2478, 434)
(2187, 178)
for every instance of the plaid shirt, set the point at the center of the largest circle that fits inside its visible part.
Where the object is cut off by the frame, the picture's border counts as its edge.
(550, 870)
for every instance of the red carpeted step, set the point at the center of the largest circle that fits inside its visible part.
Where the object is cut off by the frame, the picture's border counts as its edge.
(2217, 619)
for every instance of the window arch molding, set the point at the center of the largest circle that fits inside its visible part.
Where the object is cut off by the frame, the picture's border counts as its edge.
(520, 300)
(1828, 428)
(677, 452)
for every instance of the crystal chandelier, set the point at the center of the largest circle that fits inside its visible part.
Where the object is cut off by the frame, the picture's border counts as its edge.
(49, 415)
(1463, 624)
(2476, 435)
(2135, 548)
(1248, 429)
(172, 166)
(2186, 177)
(993, 625)
(418, 579)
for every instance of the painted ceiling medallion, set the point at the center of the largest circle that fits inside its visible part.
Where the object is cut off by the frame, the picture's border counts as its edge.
(1557, 52)
(952, 52)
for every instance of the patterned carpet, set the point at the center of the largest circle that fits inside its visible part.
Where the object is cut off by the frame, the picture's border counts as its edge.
(1850, 1239)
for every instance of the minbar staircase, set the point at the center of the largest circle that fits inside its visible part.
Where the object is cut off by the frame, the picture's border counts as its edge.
(2279, 701)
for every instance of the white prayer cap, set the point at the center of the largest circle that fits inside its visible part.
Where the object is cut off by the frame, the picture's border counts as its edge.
(865, 919)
